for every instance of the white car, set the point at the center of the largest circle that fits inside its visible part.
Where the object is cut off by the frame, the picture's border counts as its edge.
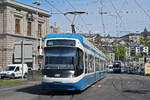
(110, 68)
(14, 71)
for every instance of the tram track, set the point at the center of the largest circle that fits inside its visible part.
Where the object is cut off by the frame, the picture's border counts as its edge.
(124, 89)
(51, 97)
(113, 87)
(121, 88)
(71, 97)
(63, 95)
(140, 81)
(143, 91)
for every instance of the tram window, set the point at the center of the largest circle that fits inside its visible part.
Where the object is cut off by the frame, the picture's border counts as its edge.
(86, 63)
(101, 65)
(102, 68)
(91, 63)
(79, 62)
(46, 60)
(96, 64)
(59, 60)
(104, 65)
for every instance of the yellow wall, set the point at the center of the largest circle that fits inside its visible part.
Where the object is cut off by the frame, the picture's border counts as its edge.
(147, 68)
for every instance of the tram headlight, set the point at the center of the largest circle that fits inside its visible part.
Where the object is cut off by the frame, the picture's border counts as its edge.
(44, 76)
(72, 73)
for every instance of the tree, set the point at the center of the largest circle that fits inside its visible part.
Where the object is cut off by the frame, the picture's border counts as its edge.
(137, 56)
(120, 52)
(146, 43)
(101, 48)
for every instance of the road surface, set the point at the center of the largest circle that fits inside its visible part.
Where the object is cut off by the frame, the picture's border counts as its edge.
(112, 87)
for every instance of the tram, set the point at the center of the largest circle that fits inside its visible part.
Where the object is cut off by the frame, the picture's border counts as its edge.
(117, 67)
(71, 62)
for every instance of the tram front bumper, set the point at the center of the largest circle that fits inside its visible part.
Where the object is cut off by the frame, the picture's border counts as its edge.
(58, 86)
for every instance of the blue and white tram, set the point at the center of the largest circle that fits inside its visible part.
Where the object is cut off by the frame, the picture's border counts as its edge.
(71, 62)
(117, 67)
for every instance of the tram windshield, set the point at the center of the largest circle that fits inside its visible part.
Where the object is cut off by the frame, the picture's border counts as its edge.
(60, 57)
(117, 65)
(59, 60)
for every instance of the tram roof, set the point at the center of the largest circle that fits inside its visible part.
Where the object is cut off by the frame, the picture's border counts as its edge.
(65, 35)
(71, 35)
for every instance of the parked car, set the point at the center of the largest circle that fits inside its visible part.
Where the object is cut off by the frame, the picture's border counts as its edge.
(110, 68)
(142, 71)
(131, 70)
(126, 70)
(30, 68)
(14, 71)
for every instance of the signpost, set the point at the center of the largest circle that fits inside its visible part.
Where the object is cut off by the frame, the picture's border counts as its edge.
(23, 53)
(27, 47)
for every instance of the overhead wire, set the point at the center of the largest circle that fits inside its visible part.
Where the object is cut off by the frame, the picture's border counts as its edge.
(57, 10)
(122, 6)
(116, 12)
(101, 12)
(70, 5)
(61, 13)
(79, 15)
(69, 20)
(142, 9)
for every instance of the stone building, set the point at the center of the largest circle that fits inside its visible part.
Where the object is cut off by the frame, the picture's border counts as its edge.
(55, 29)
(19, 21)
(132, 37)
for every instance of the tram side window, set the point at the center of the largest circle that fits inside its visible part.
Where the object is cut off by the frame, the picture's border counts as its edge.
(46, 60)
(104, 65)
(96, 64)
(101, 65)
(91, 63)
(86, 63)
(79, 63)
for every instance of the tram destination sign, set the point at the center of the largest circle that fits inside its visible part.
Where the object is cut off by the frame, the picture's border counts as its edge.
(61, 43)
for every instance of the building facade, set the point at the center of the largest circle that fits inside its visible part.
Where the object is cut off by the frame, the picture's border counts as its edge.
(55, 29)
(142, 49)
(18, 22)
(111, 57)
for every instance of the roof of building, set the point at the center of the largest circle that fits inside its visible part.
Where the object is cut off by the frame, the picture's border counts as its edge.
(16, 4)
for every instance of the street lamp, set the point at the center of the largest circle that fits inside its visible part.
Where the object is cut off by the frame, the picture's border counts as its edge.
(36, 3)
(36, 33)
(74, 13)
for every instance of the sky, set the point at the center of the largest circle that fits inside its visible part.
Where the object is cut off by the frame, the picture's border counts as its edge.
(120, 17)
